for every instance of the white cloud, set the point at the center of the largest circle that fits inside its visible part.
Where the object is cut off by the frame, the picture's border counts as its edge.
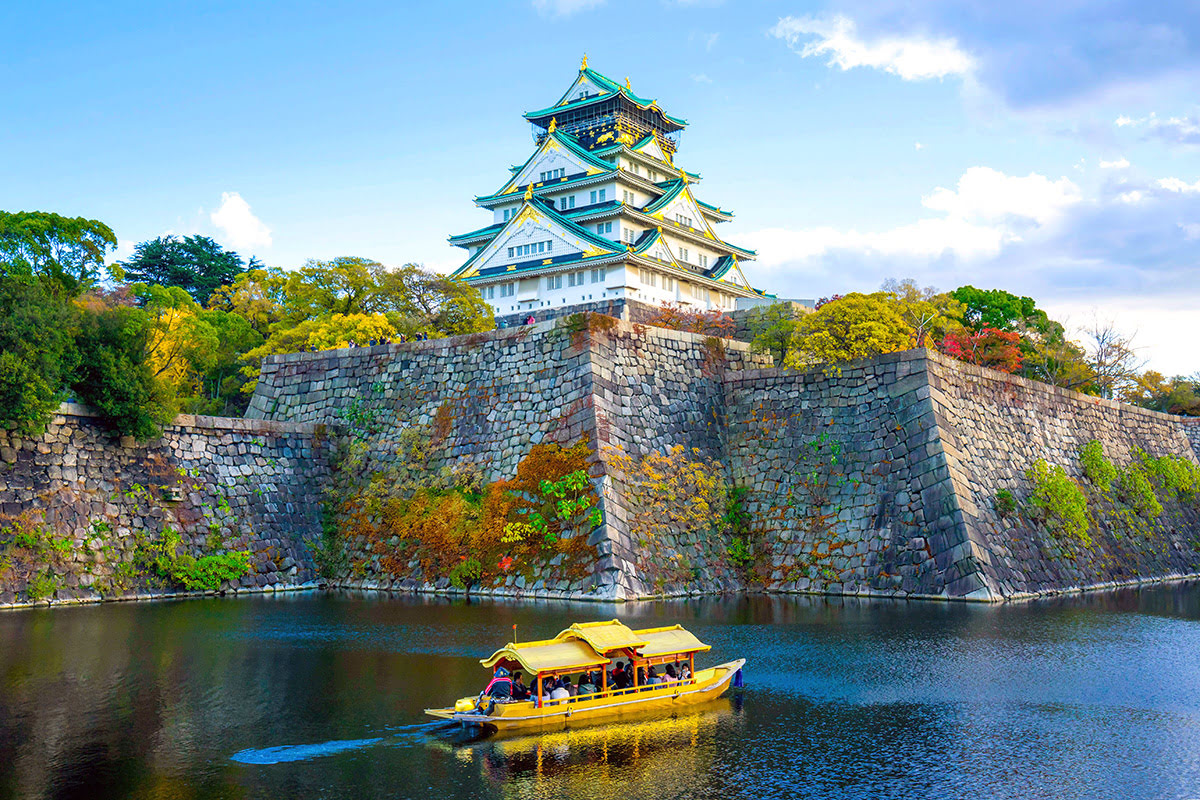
(987, 194)
(1120, 163)
(564, 8)
(912, 57)
(920, 146)
(984, 212)
(1191, 230)
(240, 229)
(1132, 196)
(1124, 121)
(1177, 185)
(702, 78)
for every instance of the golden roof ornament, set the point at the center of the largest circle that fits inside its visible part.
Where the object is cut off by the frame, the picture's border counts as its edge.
(583, 64)
(553, 125)
(683, 175)
(627, 84)
(528, 193)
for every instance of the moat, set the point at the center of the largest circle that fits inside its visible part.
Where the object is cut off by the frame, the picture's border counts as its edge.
(320, 695)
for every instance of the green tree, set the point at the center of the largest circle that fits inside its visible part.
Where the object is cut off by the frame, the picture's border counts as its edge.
(772, 329)
(68, 250)
(852, 326)
(996, 308)
(37, 351)
(220, 377)
(196, 264)
(114, 375)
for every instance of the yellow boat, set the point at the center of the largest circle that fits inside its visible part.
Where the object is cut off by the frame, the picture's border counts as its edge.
(592, 646)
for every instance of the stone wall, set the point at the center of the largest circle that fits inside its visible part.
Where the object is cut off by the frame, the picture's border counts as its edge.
(230, 485)
(883, 479)
(616, 385)
(878, 479)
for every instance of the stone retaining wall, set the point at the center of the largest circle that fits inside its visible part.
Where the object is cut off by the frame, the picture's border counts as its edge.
(231, 485)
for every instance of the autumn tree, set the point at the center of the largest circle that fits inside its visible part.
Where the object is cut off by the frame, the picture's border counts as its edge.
(852, 326)
(1177, 395)
(989, 347)
(1113, 358)
(677, 317)
(931, 314)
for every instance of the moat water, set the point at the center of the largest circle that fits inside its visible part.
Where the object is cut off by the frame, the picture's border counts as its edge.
(320, 696)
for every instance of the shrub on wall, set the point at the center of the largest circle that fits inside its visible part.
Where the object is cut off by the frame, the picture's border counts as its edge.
(1059, 502)
(448, 523)
(1098, 469)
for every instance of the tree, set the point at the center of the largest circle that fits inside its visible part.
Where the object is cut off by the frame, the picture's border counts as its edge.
(677, 317)
(853, 326)
(1179, 395)
(37, 352)
(772, 329)
(220, 379)
(114, 374)
(67, 250)
(196, 264)
(259, 296)
(996, 308)
(1111, 355)
(988, 348)
(931, 314)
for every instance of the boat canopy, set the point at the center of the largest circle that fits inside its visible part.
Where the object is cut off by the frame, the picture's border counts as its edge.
(588, 644)
(547, 656)
(604, 637)
(667, 641)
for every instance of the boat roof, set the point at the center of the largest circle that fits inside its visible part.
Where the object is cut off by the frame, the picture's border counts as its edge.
(604, 637)
(546, 656)
(665, 641)
(587, 644)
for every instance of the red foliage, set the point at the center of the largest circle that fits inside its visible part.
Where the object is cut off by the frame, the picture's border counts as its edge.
(681, 318)
(505, 563)
(825, 300)
(989, 347)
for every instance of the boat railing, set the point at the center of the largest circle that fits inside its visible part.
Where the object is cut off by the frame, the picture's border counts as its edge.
(616, 692)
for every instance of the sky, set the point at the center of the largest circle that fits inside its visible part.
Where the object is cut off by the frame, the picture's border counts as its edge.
(1049, 149)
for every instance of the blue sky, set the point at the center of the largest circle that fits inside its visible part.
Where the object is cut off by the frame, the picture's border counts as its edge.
(1051, 149)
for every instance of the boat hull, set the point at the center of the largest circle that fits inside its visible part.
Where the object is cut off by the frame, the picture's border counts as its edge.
(708, 684)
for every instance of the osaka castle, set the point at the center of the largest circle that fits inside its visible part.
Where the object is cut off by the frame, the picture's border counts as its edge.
(601, 212)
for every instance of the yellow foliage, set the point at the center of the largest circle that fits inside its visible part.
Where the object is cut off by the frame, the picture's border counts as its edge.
(677, 492)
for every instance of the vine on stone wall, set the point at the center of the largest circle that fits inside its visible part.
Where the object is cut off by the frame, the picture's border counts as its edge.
(415, 520)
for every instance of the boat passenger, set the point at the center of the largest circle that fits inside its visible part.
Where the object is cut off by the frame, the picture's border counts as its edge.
(559, 692)
(652, 677)
(672, 675)
(519, 690)
(684, 672)
(620, 678)
(585, 685)
(500, 686)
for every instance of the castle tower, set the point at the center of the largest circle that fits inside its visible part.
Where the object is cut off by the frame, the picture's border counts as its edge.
(600, 212)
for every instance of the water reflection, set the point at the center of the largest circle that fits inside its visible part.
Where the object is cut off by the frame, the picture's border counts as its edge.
(321, 695)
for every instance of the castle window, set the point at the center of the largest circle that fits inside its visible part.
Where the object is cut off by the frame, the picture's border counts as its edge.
(682, 220)
(510, 252)
(593, 197)
(648, 277)
(683, 254)
(554, 282)
(604, 227)
(704, 261)
(668, 284)
(628, 197)
(575, 279)
(602, 191)
(508, 289)
(506, 214)
(597, 275)
(629, 235)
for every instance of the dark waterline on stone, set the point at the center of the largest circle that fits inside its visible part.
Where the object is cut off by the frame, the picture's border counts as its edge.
(321, 696)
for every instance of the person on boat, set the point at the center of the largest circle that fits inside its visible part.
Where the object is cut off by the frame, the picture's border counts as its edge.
(684, 672)
(641, 676)
(619, 677)
(519, 690)
(560, 691)
(652, 678)
(672, 675)
(499, 690)
(585, 685)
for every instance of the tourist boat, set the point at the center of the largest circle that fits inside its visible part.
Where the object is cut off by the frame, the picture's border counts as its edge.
(591, 646)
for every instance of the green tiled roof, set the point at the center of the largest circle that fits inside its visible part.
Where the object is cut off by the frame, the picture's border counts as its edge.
(612, 89)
